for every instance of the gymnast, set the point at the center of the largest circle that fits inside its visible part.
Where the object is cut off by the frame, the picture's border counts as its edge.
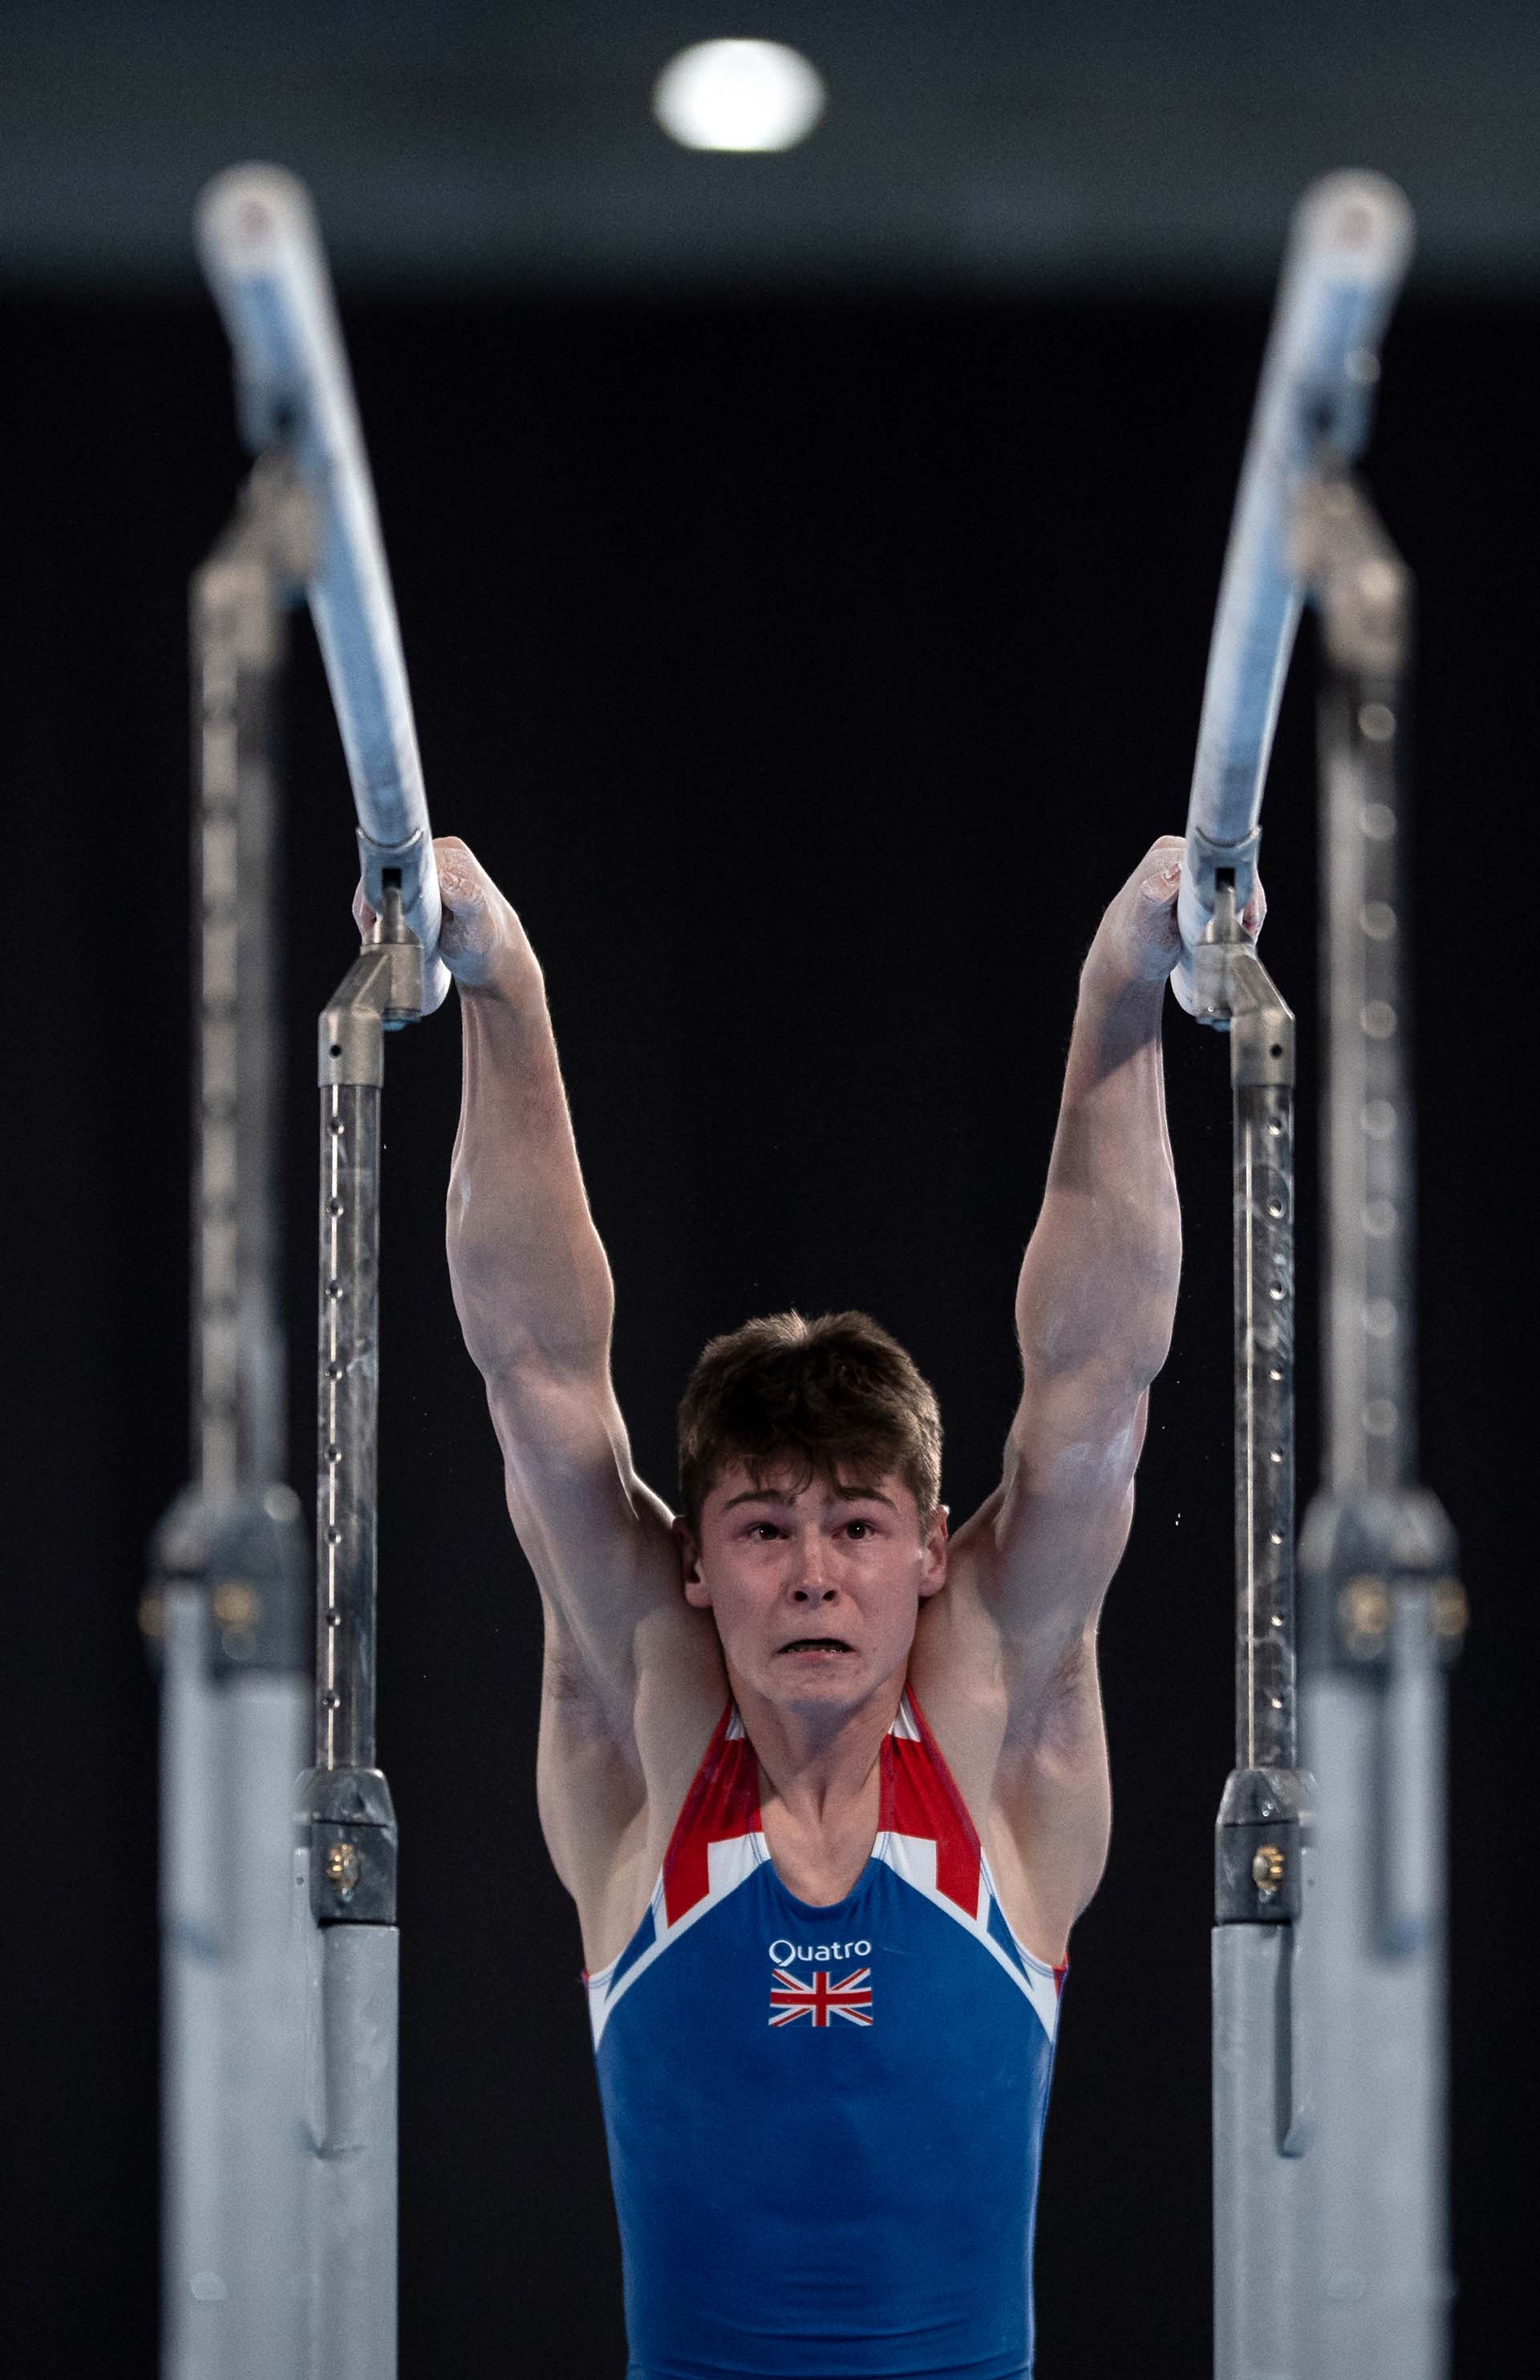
(810, 1762)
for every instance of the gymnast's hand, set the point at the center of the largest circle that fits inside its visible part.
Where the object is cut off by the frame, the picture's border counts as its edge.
(481, 941)
(1138, 941)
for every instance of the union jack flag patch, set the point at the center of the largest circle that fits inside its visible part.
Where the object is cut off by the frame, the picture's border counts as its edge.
(819, 1998)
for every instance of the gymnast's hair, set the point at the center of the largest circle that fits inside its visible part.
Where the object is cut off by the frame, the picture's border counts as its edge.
(835, 1395)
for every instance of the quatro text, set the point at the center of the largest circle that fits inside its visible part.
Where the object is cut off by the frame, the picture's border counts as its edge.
(782, 1953)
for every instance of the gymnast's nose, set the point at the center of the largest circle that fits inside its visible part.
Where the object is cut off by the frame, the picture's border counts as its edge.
(813, 1583)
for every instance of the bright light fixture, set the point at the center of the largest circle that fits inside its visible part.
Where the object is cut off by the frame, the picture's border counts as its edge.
(738, 96)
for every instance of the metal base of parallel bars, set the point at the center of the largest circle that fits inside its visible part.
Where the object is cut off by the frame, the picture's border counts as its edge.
(1376, 2288)
(1262, 2128)
(236, 2258)
(351, 1985)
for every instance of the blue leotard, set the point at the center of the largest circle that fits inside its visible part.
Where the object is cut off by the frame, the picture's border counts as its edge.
(825, 2123)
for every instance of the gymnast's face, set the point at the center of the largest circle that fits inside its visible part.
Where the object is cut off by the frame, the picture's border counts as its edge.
(815, 1585)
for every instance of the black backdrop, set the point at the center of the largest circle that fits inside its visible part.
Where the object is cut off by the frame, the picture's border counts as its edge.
(810, 675)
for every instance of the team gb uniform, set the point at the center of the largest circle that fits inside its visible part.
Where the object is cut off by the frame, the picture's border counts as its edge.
(825, 2123)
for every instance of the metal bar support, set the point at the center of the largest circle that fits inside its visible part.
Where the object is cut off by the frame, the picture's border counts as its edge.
(262, 251)
(224, 1608)
(1385, 1611)
(1262, 1862)
(350, 1949)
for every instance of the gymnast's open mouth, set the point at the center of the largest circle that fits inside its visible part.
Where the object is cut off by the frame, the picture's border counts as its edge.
(817, 1645)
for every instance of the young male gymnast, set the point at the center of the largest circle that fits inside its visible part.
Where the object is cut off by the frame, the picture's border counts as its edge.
(827, 1782)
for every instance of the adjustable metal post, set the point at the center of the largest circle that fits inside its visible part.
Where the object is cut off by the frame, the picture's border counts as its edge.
(1385, 1612)
(224, 1610)
(1261, 1859)
(262, 251)
(1349, 248)
(349, 1859)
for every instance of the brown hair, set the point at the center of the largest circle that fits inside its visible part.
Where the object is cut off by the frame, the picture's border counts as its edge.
(836, 1394)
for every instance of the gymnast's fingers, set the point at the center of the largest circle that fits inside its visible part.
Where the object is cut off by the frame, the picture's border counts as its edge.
(480, 932)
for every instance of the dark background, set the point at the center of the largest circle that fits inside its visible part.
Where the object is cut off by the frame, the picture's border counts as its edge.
(811, 672)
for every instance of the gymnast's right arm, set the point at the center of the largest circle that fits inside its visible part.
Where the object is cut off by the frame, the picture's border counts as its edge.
(531, 1283)
(534, 1296)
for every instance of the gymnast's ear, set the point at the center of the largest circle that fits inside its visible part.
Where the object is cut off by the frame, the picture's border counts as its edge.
(935, 1552)
(696, 1589)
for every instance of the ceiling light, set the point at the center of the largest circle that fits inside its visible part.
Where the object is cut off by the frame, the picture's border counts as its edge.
(739, 95)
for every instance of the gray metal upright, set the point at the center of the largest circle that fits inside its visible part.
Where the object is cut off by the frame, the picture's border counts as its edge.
(1386, 1612)
(1348, 251)
(263, 253)
(348, 1858)
(1262, 1861)
(225, 1607)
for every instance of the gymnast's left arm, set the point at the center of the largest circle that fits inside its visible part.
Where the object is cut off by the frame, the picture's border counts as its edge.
(1014, 1640)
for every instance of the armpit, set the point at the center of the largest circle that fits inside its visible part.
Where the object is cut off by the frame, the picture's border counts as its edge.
(575, 1698)
(1064, 1722)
